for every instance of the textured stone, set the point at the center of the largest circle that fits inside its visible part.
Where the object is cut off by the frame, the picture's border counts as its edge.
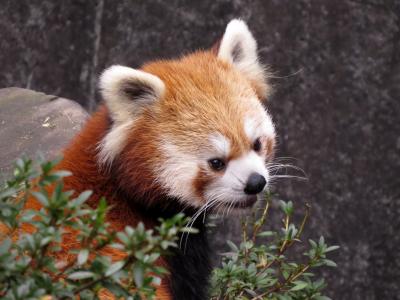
(336, 106)
(34, 123)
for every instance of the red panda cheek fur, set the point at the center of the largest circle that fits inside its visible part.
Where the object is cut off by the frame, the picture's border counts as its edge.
(202, 180)
(136, 164)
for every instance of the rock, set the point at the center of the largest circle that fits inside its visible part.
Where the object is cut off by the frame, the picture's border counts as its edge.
(33, 123)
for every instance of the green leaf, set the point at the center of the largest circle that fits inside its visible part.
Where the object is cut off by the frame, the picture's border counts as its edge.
(329, 263)
(5, 245)
(115, 267)
(322, 298)
(299, 285)
(116, 289)
(251, 292)
(82, 198)
(41, 198)
(8, 193)
(62, 173)
(313, 244)
(81, 275)
(83, 256)
(156, 280)
(232, 246)
(266, 233)
(331, 248)
(45, 241)
(138, 274)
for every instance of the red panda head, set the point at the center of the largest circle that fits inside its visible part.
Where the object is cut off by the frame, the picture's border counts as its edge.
(194, 128)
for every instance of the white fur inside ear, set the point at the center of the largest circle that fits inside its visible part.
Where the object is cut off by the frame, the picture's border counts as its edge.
(126, 91)
(239, 48)
(238, 45)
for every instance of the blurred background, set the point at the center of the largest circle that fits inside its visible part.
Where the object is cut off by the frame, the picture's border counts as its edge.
(336, 103)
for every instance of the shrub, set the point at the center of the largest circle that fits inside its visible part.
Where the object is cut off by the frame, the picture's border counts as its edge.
(260, 271)
(30, 269)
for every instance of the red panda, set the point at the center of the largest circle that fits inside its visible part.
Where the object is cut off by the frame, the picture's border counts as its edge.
(178, 135)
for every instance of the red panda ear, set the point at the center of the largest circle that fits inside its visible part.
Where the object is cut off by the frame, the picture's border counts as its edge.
(127, 91)
(239, 48)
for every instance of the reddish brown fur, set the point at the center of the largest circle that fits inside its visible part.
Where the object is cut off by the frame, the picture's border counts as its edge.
(202, 180)
(201, 97)
(205, 96)
(80, 159)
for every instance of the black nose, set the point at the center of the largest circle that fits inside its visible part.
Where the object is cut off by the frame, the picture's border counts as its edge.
(255, 184)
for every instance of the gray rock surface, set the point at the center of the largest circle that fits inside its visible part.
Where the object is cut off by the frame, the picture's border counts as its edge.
(337, 101)
(33, 123)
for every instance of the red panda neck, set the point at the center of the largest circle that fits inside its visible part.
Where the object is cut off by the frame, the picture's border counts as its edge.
(80, 157)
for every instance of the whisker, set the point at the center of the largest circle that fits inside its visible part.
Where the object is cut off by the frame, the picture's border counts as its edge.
(208, 204)
(289, 176)
(278, 166)
(229, 207)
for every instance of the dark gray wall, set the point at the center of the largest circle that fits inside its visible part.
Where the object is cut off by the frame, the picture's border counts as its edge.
(337, 104)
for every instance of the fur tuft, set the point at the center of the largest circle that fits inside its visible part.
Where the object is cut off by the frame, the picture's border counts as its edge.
(239, 48)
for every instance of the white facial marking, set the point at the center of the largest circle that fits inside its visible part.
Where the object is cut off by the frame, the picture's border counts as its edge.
(177, 172)
(230, 187)
(256, 127)
(113, 143)
(239, 170)
(221, 144)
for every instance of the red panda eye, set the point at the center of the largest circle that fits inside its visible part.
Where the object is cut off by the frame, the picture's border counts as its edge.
(257, 145)
(216, 164)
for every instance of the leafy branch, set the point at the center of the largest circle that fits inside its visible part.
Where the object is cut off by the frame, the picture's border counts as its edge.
(32, 240)
(257, 271)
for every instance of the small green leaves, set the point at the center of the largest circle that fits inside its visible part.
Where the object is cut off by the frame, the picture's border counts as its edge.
(264, 271)
(298, 285)
(287, 207)
(29, 265)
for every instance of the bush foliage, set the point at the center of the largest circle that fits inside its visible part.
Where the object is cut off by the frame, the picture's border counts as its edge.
(31, 269)
(255, 270)
(28, 267)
